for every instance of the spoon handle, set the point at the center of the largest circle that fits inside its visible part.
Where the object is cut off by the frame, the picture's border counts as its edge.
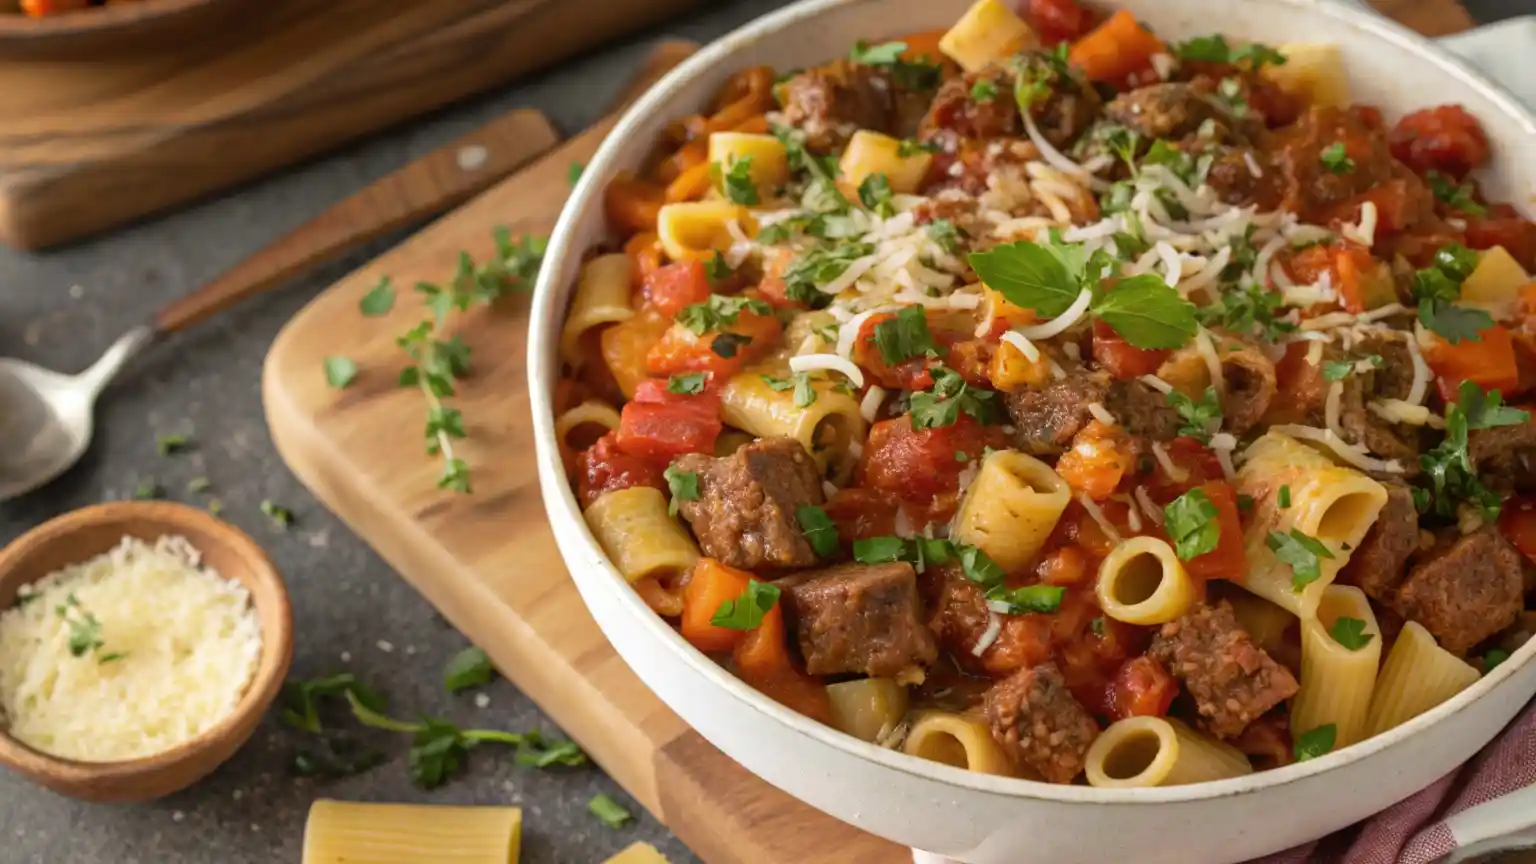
(426, 187)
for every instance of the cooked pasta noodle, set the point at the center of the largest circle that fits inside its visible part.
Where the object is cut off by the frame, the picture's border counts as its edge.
(956, 739)
(1417, 676)
(1157, 751)
(868, 708)
(696, 230)
(588, 413)
(826, 427)
(1337, 681)
(1267, 623)
(1011, 508)
(602, 297)
(644, 541)
(1143, 582)
(345, 832)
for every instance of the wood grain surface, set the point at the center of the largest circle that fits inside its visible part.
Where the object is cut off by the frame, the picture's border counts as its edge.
(88, 146)
(488, 560)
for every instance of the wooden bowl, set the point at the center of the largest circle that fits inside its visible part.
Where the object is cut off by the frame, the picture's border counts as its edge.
(112, 30)
(84, 534)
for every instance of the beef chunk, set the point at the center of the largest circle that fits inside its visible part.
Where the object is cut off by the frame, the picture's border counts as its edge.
(831, 102)
(859, 618)
(1505, 456)
(1317, 193)
(959, 617)
(1250, 385)
(1233, 180)
(1142, 410)
(1376, 566)
(1232, 680)
(1267, 741)
(1172, 111)
(1392, 380)
(1067, 105)
(1464, 590)
(745, 513)
(1048, 417)
(956, 113)
(1039, 724)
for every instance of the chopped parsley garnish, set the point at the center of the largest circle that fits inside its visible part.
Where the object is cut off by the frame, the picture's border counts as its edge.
(439, 749)
(983, 91)
(1214, 49)
(819, 530)
(301, 699)
(817, 267)
(1335, 157)
(1316, 742)
(165, 445)
(1284, 498)
(884, 54)
(1350, 632)
(800, 382)
(1436, 289)
(688, 384)
(1493, 658)
(719, 312)
(84, 629)
(736, 181)
(879, 550)
(684, 486)
(1037, 73)
(534, 752)
(1487, 410)
(1453, 195)
(910, 147)
(1124, 143)
(903, 337)
(875, 193)
(1230, 93)
(111, 657)
(379, 299)
(944, 233)
(907, 74)
(1191, 520)
(1049, 278)
(980, 568)
(716, 270)
(1098, 626)
(468, 669)
(199, 484)
(148, 489)
(1031, 598)
(340, 371)
(1303, 552)
(950, 395)
(1448, 468)
(1201, 418)
(573, 172)
(746, 611)
(1249, 310)
(609, 811)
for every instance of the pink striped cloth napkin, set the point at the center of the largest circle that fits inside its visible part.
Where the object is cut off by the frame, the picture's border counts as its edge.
(1416, 830)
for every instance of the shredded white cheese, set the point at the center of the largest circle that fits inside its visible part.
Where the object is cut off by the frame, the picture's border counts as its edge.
(1343, 449)
(988, 636)
(1101, 414)
(179, 646)
(830, 362)
(1144, 500)
(1058, 325)
(1098, 516)
(1174, 472)
(1207, 350)
(1021, 342)
(869, 406)
(1157, 384)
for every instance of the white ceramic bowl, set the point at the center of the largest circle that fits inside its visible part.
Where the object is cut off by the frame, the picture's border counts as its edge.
(973, 817)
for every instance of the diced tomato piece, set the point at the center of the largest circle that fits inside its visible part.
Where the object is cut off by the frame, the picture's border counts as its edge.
(681, 350)
(1504, 226)
(1057, 21)
(1121, 358)
(1489, 362)
(1226, 561)
(1116, 52)
(1099, 456)
(1142, 688)
(1077, 526)
(658, 425)
(1195, 463)
(671, 287)
(907, 375)
(1065, 566)
(604, 467)
(920, 464)
(1517, 522)
(1445, 139)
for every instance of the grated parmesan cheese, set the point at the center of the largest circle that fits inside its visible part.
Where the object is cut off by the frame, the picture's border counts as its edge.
(1097, 514)
(1144, 500)
(1026, 347)
(869, 406)
(988, 636)
(1343, 449)
(189, 639)
(1174, 472)
(829, 362)
(1101, 414)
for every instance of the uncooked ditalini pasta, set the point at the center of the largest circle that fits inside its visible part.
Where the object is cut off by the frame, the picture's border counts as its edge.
(1340, 653)
(1154, 751)
(342, 832)
(1417, 676)
(639, 853)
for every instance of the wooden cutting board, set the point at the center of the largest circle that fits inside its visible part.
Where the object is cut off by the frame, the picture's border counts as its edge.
(488, 561)
(90, 144)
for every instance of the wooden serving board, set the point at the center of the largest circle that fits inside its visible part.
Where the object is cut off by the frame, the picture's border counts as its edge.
(488, 561)
(88, 144)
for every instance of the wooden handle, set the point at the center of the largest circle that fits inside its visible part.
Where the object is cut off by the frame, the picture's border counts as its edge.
(437, 182)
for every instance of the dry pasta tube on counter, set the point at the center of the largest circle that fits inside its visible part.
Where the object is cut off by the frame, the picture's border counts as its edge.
(602, 297)
(1417, 676)
(958, 740)
(1330, 503)
(827, 428)
(641, 538)
(1011, 508)
(1336, 680)
(342, 832)
(1142, 581)
(1156, 751)
(639, 853)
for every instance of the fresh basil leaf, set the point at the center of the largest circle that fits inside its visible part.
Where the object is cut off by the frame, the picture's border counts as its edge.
(1029, 276)
(1148, 313)
(746, 611)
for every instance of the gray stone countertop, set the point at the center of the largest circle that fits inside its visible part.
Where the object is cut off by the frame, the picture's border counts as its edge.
(352, 613)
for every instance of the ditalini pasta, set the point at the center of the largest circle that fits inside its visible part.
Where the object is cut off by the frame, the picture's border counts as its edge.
(636, 531)
(1047, 397)
(1011, 508)
(1340, 657)
(341, 832)
(1324, 502)
(1143, 582)
(1153, 751)
(1417, 676)
(639, 853)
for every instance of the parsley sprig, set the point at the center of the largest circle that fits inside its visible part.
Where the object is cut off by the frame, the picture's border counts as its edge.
(950, 395)
(1303, 552)
(1449, 474)
(1436, 288)
(1457, 196)
(908, 74)
(1191, 520)
(1201, 418)
(1214, 49)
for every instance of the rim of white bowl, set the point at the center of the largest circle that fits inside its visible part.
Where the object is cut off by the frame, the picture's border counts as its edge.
(560, 502)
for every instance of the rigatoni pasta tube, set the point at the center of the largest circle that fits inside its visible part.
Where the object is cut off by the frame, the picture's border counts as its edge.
(588, 413)
(958, 740)
(826, 428)
(1330, 503)
(867, 708)
(1011, 508)
(602, 297)
(638, 853)
(1337, 681)
(341, 832)
(1155, 751)
(1417, 676)
(640, 537)
(1142, 581)
(1267, 623)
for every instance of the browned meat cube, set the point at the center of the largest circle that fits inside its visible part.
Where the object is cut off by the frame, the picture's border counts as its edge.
(859, 618)
(745, 513)
(1173, 111)
(1377, 565)
(1035, 719)
(1048, 417)
(1232, 680)
(1465, 591)
(1142, 410)
(831, 102)
(1505, 456)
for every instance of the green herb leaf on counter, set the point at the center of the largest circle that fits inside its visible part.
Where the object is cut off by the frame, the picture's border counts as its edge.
(1191, 520)
(1315, 743)
(301, 699)
(438, 749)
(609, 810)
(534, 752)
(165, 445)
(455, 477)
(467, 669)
(148, 489)
(198, 485)
(819, 529)
(281, 516)
(746, 611)
(573, 173)
(1303, 552)
(379, 300)
(340, 371)
(1350, 632)
(344, 759)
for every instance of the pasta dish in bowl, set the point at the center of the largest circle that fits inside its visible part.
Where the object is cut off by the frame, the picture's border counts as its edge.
(1109, 405)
